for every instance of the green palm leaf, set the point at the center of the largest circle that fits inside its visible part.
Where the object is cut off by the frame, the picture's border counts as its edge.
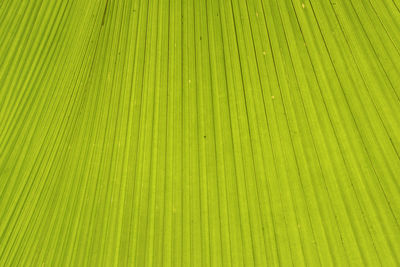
(199, 133)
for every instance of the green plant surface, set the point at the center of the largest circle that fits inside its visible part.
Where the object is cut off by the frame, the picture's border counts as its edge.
(199, 133)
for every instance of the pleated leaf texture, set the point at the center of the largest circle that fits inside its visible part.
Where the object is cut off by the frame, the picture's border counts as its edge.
(199, 133)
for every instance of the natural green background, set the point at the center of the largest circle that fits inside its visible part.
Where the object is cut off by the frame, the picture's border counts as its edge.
(199, 133)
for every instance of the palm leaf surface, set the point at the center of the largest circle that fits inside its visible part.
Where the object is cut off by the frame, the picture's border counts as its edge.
(199, 133)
